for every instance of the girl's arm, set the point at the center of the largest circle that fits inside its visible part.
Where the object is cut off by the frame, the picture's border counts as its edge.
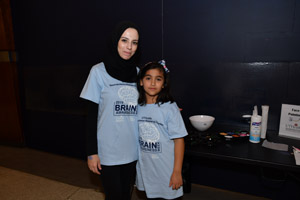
(176, 178)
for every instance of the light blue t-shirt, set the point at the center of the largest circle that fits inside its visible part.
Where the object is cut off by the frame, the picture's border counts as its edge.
(158, 125)
(117, 126)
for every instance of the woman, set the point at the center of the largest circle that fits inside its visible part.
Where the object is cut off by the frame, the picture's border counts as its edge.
(112, 126)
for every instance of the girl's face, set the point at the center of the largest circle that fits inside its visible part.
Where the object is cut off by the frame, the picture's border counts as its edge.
(153, 82)
(128, 43)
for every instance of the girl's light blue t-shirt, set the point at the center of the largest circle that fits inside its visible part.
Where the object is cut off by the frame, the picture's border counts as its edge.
(158, 126)
(117, 126)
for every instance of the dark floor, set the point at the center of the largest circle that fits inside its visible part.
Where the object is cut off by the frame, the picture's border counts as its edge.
(31, 174)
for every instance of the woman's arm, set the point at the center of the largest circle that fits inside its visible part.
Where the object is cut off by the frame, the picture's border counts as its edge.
(176, 178)
(91, 138)
(91, 128)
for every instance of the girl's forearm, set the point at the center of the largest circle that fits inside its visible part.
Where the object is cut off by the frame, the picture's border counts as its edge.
(178, 154)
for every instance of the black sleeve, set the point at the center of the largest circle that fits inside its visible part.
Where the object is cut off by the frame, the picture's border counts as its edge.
(91, 128)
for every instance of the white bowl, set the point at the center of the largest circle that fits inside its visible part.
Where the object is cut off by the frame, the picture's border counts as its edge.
(202, 122)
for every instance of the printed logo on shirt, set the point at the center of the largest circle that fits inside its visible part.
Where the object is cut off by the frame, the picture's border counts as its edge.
(128, 103)
(120, 108)
(149, 138)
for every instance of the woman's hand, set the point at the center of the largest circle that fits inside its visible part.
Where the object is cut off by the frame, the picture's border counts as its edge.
(176, 180)
(94, 163)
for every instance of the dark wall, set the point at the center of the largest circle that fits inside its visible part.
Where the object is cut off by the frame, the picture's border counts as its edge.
(232, 31)
(72, 32)
(227, 56)
(224, 57)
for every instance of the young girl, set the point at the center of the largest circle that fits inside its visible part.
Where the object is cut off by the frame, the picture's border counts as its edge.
(161, 132)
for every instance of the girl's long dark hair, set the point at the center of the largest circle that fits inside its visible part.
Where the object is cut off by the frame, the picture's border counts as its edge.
(164, 95)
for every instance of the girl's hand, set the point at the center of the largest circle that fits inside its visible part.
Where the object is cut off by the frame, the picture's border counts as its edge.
(176, 180)
(94, 163)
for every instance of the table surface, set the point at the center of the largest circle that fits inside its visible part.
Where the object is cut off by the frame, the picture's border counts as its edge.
(240, 150)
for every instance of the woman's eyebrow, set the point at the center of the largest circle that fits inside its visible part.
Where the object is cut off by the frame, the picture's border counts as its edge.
(123, 37)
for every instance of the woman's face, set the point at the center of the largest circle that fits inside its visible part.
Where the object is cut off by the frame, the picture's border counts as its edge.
(128, 43)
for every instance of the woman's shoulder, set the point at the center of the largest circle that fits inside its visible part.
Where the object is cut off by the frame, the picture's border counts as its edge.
(99, 70)
(98, 67)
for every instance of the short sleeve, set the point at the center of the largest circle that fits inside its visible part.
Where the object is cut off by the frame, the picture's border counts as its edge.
(93, 86)
(176, 126)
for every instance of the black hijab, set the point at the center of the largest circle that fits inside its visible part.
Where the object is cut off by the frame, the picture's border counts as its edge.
(117, 67)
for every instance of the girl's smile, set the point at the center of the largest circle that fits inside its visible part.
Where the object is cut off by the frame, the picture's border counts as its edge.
(152, 83)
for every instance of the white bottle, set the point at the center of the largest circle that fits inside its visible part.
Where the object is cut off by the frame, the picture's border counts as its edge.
(264, 121)
(255, 127)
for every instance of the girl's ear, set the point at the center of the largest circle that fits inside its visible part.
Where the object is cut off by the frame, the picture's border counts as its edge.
(141, 83)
